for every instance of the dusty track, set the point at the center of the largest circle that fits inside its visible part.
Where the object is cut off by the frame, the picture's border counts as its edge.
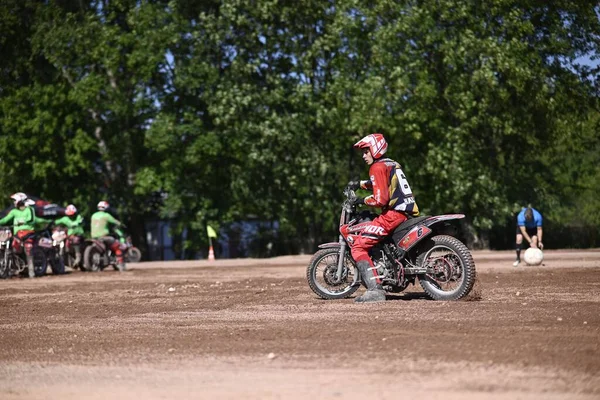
(205, 330)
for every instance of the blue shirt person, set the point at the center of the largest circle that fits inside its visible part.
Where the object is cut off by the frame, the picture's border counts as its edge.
(529, 226)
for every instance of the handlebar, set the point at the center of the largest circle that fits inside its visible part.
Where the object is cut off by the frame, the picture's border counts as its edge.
(350, 197)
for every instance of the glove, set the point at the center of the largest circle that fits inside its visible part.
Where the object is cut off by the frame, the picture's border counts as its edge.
(354, 185)
(358, 201)
(541, 245)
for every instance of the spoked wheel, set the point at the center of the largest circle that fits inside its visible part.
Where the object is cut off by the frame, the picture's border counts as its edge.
(93, 259)
(322, 275)
(133, 255)
(69, 259)
(16, 265)
(450, 269)
(4, 264)
(40, 262)
(57, 264)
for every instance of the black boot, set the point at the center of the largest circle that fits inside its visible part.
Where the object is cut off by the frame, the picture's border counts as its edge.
(375, 292)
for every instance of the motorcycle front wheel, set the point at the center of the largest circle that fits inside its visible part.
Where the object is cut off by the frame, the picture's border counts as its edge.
(40, 263)
(133, 255)
(4, 264)
(321, 274)
(57, 263)
(450, 268)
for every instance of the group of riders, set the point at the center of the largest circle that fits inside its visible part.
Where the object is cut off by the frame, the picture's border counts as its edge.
(26, 224)
(390, 188)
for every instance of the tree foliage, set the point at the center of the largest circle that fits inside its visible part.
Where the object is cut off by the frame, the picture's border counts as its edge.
(209, 112)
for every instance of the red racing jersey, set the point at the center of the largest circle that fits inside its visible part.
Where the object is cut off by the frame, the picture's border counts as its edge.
(390, 187)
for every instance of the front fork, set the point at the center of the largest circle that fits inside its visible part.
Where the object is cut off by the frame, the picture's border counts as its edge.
(341, 258)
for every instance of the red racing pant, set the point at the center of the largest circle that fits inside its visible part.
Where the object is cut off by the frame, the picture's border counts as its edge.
(372, 233)
(115, 246)
(28, 243)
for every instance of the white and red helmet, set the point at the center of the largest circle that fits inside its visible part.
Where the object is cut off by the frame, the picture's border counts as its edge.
(375, 142)
(70, 210)
(19, 197)
(103, 205)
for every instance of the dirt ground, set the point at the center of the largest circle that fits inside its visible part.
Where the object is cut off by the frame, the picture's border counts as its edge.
(252, 329)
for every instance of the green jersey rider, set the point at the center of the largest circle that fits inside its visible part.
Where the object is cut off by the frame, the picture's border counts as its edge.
(74, 224)
(24, 221)
(101, 224)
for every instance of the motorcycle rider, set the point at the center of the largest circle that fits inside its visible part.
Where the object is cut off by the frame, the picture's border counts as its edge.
(101, 224)
(391, 193)
(74, 223)
(24, 221)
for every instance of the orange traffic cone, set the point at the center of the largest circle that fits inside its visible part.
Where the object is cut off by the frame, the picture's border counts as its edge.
(211, 253)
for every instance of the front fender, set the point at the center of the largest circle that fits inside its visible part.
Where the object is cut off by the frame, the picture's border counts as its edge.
(330, 245)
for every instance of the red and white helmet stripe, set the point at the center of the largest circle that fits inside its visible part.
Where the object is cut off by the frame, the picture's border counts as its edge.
(375, 142)
(71, 210)
(103, 205)
(19, 197)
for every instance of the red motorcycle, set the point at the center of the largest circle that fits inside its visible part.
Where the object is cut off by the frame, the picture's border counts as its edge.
(98, 255)
(64, 245)
(423, 248)
(13, 260)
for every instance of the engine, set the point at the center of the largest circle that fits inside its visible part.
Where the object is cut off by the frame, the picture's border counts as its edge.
(384, 266)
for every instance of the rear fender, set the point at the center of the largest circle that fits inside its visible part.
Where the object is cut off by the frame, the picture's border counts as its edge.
(45, 242)
(99, 244)
(414, 236)
(444, 224)
(439, 218)
(424, 229)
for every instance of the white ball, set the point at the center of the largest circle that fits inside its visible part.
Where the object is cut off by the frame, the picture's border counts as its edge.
(533, 256)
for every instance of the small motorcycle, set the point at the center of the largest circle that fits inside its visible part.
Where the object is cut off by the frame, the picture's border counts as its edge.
(13, 260)
(423, 248)
(55, 253)
(66, 245)
(98, 256)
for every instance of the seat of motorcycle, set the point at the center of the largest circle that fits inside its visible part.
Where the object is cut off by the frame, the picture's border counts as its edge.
(406, 226)
(29, 235)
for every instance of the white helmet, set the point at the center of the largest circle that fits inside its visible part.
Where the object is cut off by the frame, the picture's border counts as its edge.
(19, 197)
(70, 210)
(103, 205)
(375, 142)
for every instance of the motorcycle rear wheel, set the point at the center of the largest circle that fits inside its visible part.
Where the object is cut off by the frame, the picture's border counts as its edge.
(450, 269)
(93, 259)
(321, 275)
